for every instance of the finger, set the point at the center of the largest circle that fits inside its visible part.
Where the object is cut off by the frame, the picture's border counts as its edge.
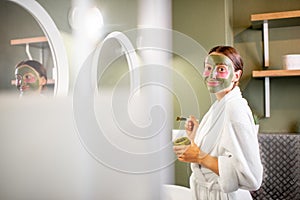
(193, 119)
(179, 147)
(191, 116)
(182, 159)
(179, 153)
(189, 124)
(179, 150)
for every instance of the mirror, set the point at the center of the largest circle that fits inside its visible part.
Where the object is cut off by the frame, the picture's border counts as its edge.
(41, 41)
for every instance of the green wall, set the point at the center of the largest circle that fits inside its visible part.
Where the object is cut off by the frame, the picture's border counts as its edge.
(285, 95)
(208, 22)
(214, 22)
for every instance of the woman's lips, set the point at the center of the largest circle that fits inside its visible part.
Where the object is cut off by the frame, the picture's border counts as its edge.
(24, 88)
(212, 83)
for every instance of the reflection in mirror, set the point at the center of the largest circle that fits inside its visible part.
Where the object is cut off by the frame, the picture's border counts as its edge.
(31, 78)
(58, 70)
(39, 58)
(17, 24)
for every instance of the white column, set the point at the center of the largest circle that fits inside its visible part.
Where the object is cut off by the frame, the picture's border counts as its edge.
(267, 96)
(85, 25)
(153, 42)
(266, 43)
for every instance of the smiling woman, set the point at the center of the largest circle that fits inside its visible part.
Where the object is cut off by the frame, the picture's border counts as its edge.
(218, 72)
(31, 77)
(224, 151)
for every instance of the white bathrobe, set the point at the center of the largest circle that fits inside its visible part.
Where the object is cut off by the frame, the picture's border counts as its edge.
(227, 132)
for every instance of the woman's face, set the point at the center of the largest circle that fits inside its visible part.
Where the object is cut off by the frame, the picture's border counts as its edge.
(27, 79)
(218, 73)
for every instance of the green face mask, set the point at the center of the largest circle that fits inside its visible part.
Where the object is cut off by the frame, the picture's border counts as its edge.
(218, 73)
(27, 79)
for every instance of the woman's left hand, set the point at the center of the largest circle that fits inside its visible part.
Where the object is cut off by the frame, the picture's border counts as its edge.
(188, 153)
(193, 154)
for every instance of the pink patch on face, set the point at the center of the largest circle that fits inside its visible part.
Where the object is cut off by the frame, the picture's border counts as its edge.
(206, 73)
(29, 79)
(219, 71)
(207, 70)
(223, 75)
(222, 71)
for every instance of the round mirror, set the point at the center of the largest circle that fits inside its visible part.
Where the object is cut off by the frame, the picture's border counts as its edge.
(59, 74)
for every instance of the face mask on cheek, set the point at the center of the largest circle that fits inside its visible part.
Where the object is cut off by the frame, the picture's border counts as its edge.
(218, 73)
(27, 79)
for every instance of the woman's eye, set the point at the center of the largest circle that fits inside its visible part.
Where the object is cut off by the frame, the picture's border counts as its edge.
(27, 76)
(222, 69)
(208, 68)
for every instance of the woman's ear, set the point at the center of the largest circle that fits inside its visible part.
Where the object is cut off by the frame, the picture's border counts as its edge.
(237, 75)
(43, 81)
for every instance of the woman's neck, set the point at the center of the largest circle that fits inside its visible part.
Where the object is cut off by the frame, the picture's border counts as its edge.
(221, 94)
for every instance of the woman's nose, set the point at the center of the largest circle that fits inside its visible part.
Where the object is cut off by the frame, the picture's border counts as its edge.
(213, 73)
(23, 82)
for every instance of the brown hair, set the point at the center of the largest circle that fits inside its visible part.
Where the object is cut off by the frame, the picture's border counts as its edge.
(232, 54)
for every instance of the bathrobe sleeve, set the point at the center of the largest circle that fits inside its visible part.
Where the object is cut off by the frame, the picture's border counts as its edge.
(239, 162)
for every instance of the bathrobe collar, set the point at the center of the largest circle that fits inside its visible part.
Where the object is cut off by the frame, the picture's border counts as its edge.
(214, 121)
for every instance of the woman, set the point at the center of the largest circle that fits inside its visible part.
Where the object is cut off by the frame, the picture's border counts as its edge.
(31, 77)
(224, 150)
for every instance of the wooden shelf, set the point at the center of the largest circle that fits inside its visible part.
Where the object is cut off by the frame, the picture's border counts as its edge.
(267, 74)
(275, 15)
(276, 19)
(49, 82)
(33, 41)
(265, 21)
(275, 73)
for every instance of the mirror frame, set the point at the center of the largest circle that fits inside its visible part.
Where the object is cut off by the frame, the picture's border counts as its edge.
(130, 54)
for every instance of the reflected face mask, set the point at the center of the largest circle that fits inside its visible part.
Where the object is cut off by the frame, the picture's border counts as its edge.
(218, 72)
(27, 79)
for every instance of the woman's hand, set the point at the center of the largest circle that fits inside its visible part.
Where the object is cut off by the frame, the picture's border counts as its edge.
(193, 154)
(180, 149)
(191, 127)
(189, 153)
